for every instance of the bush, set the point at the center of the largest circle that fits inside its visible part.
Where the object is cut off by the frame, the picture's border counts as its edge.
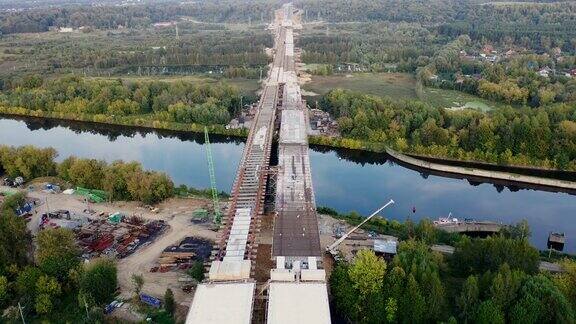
(196, 271)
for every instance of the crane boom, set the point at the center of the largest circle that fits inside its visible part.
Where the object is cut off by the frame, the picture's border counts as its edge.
(217, 214)
(340, 240)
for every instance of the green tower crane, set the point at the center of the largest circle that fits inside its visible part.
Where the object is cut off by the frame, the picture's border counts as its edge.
(217, 215)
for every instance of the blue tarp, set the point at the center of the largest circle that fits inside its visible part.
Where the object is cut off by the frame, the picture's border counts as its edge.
(26, 208)
(152, 301)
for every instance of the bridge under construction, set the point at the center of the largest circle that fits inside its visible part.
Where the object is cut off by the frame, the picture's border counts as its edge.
(296, 291)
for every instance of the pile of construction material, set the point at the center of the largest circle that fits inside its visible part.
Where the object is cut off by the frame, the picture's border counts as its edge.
(16, 182)
(60, 219)
(182, 256)
(117, 236)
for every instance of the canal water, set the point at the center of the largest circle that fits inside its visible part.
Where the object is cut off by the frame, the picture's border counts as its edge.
(344, 180)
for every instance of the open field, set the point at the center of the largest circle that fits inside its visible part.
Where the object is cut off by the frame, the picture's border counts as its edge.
(452, 99)
(395, 85)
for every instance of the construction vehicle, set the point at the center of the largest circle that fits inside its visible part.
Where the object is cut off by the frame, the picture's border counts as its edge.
(332, 247)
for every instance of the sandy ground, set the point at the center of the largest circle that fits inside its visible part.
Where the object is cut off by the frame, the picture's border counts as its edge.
(176, 212)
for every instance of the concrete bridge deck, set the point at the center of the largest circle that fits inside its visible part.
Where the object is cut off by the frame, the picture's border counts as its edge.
(297, 288)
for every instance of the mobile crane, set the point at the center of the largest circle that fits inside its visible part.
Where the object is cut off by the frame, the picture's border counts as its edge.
(332, 247)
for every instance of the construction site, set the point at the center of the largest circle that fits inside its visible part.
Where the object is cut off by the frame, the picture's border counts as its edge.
(268, 266)
(262, 250)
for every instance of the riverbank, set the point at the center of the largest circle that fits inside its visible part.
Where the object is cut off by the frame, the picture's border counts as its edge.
(498, 175)
(354, 144)
(131, 121)
(330, 142)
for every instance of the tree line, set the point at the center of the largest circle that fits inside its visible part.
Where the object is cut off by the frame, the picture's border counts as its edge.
(543, 137)
(372, 45)
(134, 16)
(122, 181)
(493, 280)
(179, 101)
(525, 21)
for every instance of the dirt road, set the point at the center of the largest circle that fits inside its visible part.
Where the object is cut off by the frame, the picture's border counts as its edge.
(176, 212)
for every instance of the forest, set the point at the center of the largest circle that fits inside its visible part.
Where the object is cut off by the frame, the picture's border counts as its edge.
(134, 16)
(179, 101)
(470, 286)
(544, 137)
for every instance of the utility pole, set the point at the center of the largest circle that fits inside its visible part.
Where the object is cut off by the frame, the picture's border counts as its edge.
(86, 307)
(21, 313)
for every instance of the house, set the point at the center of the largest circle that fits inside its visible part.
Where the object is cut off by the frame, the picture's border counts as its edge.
(510, 53)
(545, 72)
(488, 49)
(492, 58)
(459, 78)
(385, 248)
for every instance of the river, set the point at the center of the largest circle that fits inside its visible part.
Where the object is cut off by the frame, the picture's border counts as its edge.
(344, 180)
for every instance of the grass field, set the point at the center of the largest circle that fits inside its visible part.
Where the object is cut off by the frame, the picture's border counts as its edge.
(452, 99)
(396, 85)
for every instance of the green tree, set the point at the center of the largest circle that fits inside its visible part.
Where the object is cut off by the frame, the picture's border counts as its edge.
(468, 300)
(87, 173)
(566, 281)
(196, 271)
(26, 283)
(169, 304)
(47, 289)
(505, 287)
(540, 301)
(57, 252)
(391, 310)
(4, 295)
(14, 238)
(367, 272)
(489, 313)
(413, 307)
(99, 281)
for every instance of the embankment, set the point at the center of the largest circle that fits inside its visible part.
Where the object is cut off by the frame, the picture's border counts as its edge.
(497, 175)
(130, 121)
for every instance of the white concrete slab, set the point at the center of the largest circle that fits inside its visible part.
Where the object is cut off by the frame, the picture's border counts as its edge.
(222, 303)
(298, 302)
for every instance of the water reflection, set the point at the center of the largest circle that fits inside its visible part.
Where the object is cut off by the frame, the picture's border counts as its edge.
(343, 179)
